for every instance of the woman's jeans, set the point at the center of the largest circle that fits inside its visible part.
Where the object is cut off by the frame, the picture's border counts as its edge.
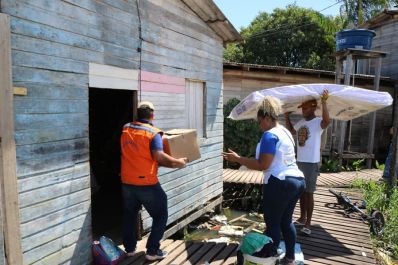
(279, 199)
(154, 199)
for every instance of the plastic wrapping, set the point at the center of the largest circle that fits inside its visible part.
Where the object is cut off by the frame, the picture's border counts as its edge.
(344, 102)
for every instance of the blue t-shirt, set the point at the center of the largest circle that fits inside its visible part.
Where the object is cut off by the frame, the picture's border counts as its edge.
(268, 143)
(157, 142)
(279, 142)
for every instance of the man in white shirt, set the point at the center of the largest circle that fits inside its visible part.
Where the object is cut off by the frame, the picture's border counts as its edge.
(309, 131)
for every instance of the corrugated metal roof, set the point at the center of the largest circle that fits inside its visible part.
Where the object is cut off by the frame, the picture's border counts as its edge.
(209, 12)
(287, 70)
(248, 66)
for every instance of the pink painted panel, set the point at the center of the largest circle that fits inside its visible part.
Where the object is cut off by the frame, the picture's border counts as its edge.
(165, 88)
(163, 79)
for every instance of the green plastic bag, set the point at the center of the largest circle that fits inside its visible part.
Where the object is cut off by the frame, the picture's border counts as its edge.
(253, 242)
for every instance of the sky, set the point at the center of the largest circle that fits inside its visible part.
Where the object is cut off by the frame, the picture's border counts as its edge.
(241, 12)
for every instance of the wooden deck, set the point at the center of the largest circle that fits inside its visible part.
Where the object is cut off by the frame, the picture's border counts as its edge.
(335, 239)
(341, 179)
(344, 179)
(181, 252)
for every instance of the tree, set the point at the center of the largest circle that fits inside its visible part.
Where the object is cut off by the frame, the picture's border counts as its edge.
(240, 136)
(295, 37)
(233, 53)
(357, 12)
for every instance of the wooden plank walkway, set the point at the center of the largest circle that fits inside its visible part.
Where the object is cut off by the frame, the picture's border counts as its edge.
(335, 239)
(341, 179)
(345, 178)
(181, 252)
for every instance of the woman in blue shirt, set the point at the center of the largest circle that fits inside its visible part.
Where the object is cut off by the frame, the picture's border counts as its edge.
(283, 181)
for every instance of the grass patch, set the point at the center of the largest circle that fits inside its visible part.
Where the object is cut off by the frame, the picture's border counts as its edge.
(380, 196)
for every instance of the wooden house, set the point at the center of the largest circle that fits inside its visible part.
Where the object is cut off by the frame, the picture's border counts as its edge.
(242, 79)
(385, 26)
(72, 72)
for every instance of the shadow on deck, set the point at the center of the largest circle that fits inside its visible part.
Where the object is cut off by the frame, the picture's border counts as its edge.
(335, 238)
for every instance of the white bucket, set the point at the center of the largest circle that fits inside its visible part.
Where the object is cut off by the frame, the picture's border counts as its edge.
(251, 260)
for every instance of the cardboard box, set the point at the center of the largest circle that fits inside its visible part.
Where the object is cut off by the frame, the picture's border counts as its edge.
(182, 143)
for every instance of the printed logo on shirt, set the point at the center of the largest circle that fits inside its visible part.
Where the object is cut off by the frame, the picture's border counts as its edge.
(303, 134)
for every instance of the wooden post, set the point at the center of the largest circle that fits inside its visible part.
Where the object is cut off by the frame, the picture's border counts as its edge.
(337, 77)
(218, 208)
(2, 247)
(349, 135)
(347, 76)
(334, 122)
(349, 123)
(8, 178)
(372, 121)
(135, 104)
(394, 158)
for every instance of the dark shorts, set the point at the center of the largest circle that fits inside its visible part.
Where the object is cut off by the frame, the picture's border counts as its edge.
(311, 173)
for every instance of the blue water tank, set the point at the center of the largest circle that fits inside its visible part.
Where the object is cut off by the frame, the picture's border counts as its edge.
(354, 38)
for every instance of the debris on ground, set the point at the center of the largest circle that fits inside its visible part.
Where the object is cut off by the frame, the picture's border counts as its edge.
(227, 228)
(222, 239)
(231, 230)
(222, 219)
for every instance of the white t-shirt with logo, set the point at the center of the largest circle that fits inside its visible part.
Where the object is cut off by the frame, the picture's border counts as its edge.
(309, 140)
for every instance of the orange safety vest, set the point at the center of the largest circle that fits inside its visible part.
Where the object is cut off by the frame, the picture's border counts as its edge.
(138, 166)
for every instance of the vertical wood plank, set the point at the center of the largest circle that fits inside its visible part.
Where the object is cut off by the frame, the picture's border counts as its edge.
(2, 253)
(376, 83)
(334, 122)
(347, 77)
(8, 178)
(394, 146)
(135, 104)
(338, 70)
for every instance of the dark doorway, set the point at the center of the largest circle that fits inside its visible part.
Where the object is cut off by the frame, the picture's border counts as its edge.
(109, 110)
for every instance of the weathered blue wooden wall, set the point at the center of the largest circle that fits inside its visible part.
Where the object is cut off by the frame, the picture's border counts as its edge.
(179, 43)
(53, 42)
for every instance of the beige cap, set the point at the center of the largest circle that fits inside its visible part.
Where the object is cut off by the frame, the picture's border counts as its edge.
(146, 104)
(309, 103)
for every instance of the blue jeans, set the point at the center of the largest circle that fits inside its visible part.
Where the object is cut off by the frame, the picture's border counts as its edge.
(154, 199)
(279, 199)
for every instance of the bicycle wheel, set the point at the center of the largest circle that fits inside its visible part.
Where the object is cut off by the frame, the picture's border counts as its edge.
(377, 223)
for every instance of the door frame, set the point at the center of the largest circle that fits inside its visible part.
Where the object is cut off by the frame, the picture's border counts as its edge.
(9, 213)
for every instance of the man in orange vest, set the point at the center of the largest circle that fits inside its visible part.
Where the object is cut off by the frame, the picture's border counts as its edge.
(142, 153)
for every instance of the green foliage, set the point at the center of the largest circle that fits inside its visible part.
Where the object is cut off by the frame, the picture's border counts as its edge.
(379, 166)
(358, 164)
(240, 136)
(380, 196)
(373, 192)
(330, 166)
(233, 53)
(355, 165)
(294, 37)
(356, 12)
(333, 166)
